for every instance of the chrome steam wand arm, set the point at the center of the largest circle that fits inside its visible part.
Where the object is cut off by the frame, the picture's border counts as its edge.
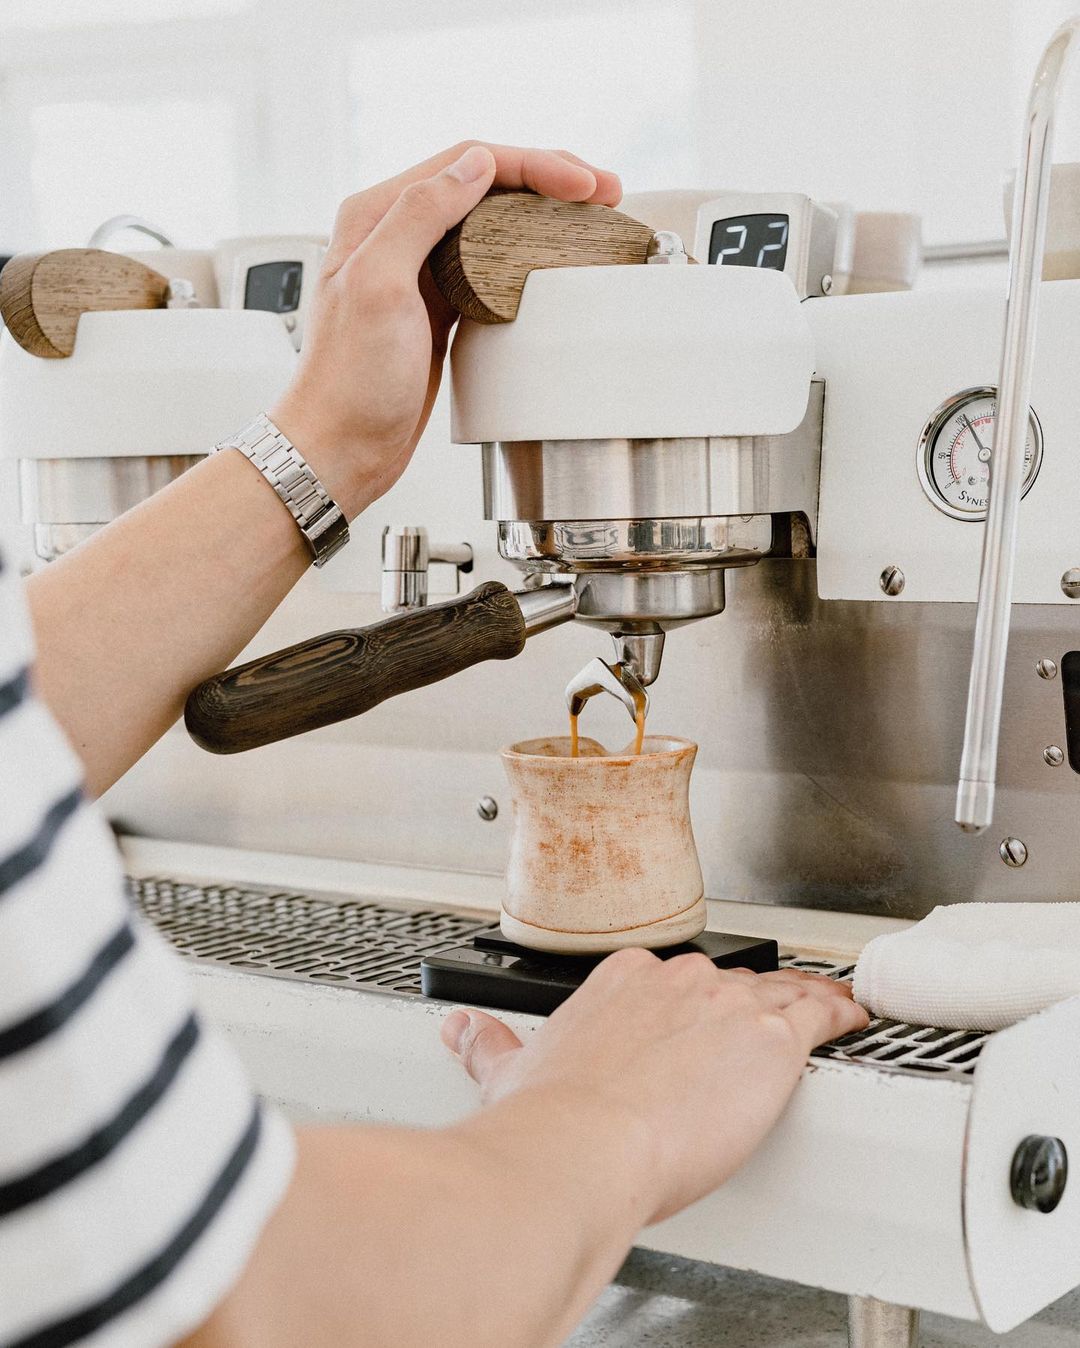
(978, 764)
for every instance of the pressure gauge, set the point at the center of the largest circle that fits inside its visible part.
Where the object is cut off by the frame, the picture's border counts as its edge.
(956, 450)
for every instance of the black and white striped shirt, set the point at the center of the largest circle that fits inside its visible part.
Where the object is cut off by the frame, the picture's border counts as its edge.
(136, 1167)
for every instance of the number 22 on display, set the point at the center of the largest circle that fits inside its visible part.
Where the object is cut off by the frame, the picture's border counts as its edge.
(732, 254)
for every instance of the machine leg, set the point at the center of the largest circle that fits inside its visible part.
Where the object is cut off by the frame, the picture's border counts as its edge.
(880, 1324)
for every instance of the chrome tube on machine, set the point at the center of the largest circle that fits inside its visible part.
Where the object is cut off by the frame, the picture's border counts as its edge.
(978, 764)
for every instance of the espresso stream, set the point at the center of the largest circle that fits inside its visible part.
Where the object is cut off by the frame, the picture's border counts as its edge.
(639, 722)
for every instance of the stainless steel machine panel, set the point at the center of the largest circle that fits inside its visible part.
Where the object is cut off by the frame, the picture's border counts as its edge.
(657, 479)
(839, 726)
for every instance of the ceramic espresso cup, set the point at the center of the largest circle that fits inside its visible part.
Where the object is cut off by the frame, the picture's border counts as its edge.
(602, 851)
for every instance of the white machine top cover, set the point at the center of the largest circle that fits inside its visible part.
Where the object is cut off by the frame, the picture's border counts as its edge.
(643, 352)
(143, 382)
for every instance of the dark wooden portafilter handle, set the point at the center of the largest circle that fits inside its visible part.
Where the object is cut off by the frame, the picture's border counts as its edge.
(341, 674)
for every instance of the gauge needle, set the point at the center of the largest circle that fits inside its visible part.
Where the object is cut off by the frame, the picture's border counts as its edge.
(984, 453)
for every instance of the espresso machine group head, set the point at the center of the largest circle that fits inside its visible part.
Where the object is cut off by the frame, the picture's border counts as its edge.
(645, 423)
(640, 429)
(113, 372)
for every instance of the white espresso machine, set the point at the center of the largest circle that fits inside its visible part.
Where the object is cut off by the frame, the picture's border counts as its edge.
(785, 482)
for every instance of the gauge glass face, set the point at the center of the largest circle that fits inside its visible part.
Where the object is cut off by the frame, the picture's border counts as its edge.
(956, 452)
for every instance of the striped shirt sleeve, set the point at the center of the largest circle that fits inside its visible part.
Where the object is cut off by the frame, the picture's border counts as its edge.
(137, 1169)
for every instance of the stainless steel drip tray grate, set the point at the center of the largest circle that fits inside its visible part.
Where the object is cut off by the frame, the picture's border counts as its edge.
(377, 947)
(893, 1044)
(353, 943)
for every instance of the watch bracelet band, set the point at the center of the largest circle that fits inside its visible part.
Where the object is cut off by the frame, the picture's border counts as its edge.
(317, 514)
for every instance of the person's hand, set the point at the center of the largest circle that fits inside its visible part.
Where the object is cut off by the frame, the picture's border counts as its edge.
(702, 1061)
(378, 332)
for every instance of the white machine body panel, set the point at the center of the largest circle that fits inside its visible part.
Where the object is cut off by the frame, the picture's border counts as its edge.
(872, 1161)
(889, 361)
(904, 1178)
(143, 382)
(1027, 1084)
(735, 357)
(876, 1182)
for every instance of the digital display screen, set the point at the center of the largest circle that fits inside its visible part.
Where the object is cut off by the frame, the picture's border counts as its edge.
(750, 241)
(274, 286)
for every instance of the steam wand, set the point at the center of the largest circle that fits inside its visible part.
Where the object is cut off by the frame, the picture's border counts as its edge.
(978, 764)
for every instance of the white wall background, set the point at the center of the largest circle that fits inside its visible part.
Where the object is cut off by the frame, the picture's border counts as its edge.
(219, 116)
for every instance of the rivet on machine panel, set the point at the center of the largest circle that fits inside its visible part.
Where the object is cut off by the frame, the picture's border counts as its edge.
(1013, 852)
(1070, 582)
(1053, 757)
(487, 807)
(1046, 669)
(892, 580)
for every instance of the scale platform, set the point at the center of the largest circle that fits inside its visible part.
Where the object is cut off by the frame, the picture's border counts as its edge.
(492, 971)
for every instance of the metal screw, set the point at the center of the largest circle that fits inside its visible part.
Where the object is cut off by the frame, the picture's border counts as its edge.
(666, 247)
(1040, 1168)
(1070, 582)
(1052, 756)
(1013, 852)
(181, 295)
(487, 807)
(892, 580)
(1046, 669)
(826, 284)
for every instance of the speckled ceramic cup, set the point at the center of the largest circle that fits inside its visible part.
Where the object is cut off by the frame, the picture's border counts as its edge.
(602, 851)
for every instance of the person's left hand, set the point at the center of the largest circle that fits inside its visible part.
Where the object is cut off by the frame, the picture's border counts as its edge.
(379, 329)
(680, 1068)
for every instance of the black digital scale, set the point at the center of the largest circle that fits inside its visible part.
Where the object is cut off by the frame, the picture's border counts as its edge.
(495, 972)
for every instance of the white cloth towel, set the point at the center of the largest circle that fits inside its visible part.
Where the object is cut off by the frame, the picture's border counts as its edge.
(973, 966)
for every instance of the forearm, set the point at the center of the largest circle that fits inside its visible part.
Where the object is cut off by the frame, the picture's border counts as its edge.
(500, 1231)
(169, 595)
(164, 597)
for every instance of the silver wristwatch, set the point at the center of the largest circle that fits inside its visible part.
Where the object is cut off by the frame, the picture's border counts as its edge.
(288, 472)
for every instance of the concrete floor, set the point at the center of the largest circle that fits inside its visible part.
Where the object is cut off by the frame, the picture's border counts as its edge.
(665, 1302)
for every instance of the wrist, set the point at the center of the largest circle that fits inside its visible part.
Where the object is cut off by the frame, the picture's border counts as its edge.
(301, 491)
(604, 1153)
(329, 451)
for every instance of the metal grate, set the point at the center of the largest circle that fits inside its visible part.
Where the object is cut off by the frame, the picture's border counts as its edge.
(892, 1044)
(357, 943)
(349, 943)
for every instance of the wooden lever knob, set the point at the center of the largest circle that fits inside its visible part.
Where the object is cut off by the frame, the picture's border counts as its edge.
(481, 265)
(342, 674)
(43, 295)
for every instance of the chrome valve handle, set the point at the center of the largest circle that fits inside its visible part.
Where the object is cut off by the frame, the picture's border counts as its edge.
(406, 556)
(978, 765)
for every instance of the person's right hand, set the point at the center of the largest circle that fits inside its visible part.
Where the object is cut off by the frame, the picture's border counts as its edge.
(700, 1061)
(378, 332)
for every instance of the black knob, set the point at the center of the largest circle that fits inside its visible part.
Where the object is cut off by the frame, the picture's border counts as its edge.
(1039, 1171)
